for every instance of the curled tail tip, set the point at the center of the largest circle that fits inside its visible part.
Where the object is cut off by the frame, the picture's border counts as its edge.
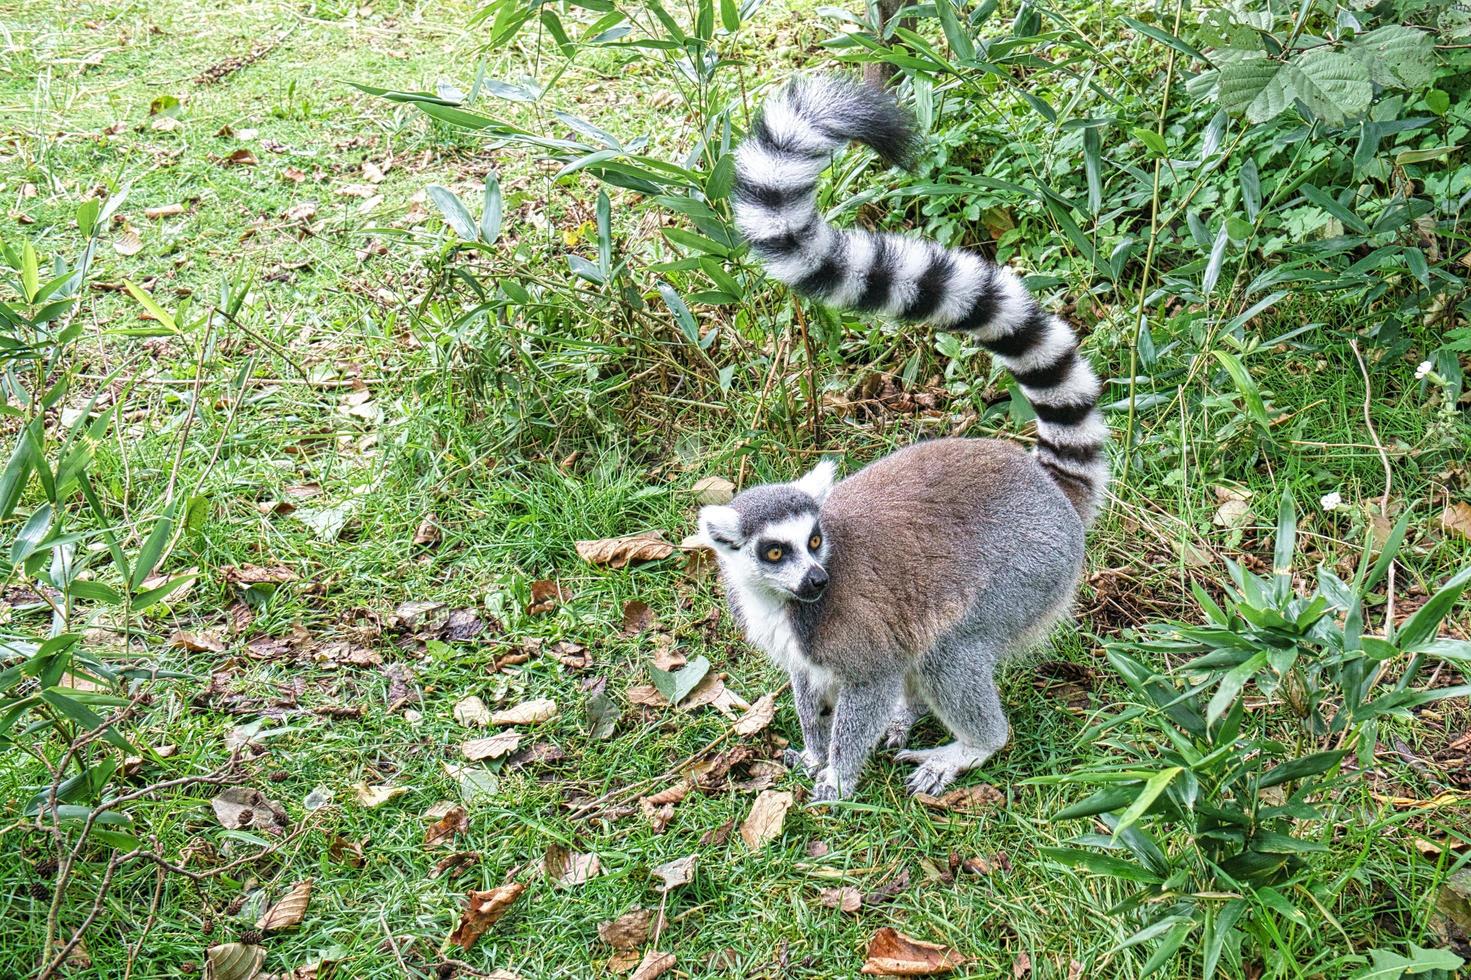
(848, 109)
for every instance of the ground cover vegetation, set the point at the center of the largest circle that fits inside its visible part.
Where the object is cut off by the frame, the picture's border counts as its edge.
(363, 368)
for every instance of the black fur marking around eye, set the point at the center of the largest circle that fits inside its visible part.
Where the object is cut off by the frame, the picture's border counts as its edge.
(764, 549)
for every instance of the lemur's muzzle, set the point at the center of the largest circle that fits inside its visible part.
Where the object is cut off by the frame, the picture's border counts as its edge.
(813, 584)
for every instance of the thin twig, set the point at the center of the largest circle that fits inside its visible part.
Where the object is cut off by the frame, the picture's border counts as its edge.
(1353, 344)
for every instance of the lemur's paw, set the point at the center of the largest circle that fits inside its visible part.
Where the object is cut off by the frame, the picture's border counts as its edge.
(897, 736)
(803, 760)
(913, 755)
(932, 777)
(825, 790)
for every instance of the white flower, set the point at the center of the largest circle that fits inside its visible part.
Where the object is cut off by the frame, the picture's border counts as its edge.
(1425, 368)
(1330, 501)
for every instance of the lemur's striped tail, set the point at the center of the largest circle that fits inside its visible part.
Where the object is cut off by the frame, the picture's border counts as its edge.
(777, 166)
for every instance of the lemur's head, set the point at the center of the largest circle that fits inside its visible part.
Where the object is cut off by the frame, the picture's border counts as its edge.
(770, 537)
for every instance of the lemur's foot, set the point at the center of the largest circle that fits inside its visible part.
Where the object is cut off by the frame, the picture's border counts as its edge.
(805, 760)
(825, 789)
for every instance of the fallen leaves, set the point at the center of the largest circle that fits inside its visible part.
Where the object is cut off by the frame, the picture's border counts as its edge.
(618, 552)
(546, 595)
(846, 899)
(479, 749)
(482, 910)
(233, 961)
(713, 490)
(637, 617)
(602, 716)
(766, 818)
(678, 684)
(526, 713)
(967, 799)
(891, 953)
(472, 711)
(757, 716)
(672, 874)
(442, 832)
(240, 807)
(373, 797)
(630, 930)
(566, 868)
(653, 964)
(289, 911)
(1456, 518)
(257, 574)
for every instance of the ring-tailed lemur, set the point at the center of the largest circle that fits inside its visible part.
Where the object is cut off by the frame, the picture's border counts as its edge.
(903, 585)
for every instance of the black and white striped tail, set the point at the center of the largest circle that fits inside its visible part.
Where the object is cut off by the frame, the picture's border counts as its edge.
(777, 166)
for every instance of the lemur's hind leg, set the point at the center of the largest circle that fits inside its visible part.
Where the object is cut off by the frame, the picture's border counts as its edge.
(909, 710)
(957, 679)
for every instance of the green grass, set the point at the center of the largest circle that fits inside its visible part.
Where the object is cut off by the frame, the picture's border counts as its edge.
(518, 459)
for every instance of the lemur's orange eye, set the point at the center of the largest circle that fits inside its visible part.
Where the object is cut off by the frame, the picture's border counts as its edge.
(773, 554)
(816, 542)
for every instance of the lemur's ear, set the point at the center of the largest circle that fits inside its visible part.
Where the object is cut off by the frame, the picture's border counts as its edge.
(818, 481)
(721, 527)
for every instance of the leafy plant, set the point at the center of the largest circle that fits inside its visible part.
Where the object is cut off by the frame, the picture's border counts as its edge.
(1220, 815)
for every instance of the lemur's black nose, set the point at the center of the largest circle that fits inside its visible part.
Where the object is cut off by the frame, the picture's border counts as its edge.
(813, 582)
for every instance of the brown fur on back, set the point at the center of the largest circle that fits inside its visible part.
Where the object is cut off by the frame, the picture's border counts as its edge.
(921, 535)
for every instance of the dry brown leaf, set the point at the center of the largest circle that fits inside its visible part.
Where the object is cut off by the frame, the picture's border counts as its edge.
(163, 211)
(967, 799)
(713, 490)
(472, 711)
(234, 961)
(288, 912)
(240, 158)
(1456, 518)
(546, 595)
(240, 807)
(1233, 513)
(482, 909)
(301, 212)
(294, 174)
(637, 617)
(653, 964)
(375, 796)
(847, 899)
(494, 747)
(629, 930)
(647, 694)
(673, 794)
(623, 961)
(453, 862)
(666, 655)
(347, 852)
(196, 642)
(765, 820)
(566, 868)
(757, 716)
(1021, 966)
(672, 874)
(526, 713)
(891, 953)
(257, 574)
(428, 532)
(618, 552)
(658, 815)
(128, 243)
(443, 830)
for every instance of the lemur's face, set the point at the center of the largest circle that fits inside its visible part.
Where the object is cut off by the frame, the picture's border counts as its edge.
(770, 538)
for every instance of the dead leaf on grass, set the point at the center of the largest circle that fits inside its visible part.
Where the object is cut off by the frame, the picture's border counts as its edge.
(482, 909)
(713, 490)
(765, 820)
(667, 656)
(546, 595)
(163, 211)
(428, 532)
(417, 613)
(891, 953)
(637, 617)
(257, 574)
(234, 961)
(846, 899)
(659, 815)
(1021, 966)
(373, 797)
(757, 716)
(967, 799)
(288, 912)
(196, 642)
(672, 874)
(479, 749)
(454, 821)
(453, 862)
(602, 716)
(618, 552)
(566, 868)
(128, 243)
(526, 713)
(1456, 518)
(472, 711)
(716, 836)
(240, 158)
(629, 930)
(623, 961)
(347, 852)
(653, 964)
(240, 807)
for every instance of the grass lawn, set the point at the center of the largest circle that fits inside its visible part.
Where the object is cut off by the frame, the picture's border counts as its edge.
(412, 489)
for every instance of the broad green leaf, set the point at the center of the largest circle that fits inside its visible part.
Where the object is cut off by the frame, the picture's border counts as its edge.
(1156, 785)
(490, 211)
(1309, 765)
(454, 211)
(1333, 85)
(147, 302)
(677, 684)
(1250, 396)
(1427, 619)
(1396, 56)
(152, 551)
(682, 314)
(1389, 965)
(1100, 864)
(1230, 687)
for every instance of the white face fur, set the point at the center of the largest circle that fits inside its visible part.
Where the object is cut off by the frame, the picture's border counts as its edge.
(783, 558)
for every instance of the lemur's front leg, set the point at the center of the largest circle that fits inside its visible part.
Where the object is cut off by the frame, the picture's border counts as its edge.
(861, 712)
(814, 714)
